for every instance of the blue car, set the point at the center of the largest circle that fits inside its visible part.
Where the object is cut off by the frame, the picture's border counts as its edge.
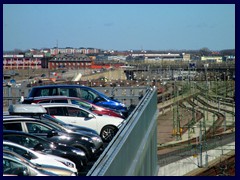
(83, 92)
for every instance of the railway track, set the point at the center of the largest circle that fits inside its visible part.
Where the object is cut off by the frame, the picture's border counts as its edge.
(222, 166)
(172, 152)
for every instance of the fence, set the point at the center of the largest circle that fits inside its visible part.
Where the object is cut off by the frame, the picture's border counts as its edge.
(133, 151)
(127, 95)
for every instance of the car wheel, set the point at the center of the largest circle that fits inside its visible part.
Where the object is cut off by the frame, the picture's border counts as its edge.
(108, 132)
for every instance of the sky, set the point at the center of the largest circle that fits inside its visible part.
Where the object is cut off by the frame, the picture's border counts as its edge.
(119, 26)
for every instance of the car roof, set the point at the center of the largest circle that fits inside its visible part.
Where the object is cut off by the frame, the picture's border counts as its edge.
(19, 145)
(25, 134)
(26, 109)
(9, 118)
(60, 105)
(56, 97)
(48, 105)
(59, 85)
(22, 118)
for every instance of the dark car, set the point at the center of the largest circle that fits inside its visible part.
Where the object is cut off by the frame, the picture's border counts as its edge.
(55, 133)
(39, 144)
(83, 92)
(39, 112)
(69, 128)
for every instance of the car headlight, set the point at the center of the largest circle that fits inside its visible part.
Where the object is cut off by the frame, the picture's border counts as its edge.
(73, 174)
(68, 164)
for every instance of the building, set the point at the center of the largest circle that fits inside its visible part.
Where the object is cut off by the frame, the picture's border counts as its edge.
(70, 50)
(217, 59)
(69, 61)
(22, 62)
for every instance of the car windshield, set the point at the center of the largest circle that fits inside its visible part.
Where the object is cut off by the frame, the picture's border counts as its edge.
(83, 104)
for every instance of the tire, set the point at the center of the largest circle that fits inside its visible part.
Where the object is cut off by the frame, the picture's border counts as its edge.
(108, 132)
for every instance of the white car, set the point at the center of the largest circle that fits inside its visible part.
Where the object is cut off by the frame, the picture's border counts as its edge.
(39, 157)
(106, 126)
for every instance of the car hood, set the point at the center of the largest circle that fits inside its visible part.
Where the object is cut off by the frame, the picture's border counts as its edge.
(80, 129)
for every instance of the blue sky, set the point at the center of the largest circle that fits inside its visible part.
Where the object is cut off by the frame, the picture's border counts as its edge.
(119, 26)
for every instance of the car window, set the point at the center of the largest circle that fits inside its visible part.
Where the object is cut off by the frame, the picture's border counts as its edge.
(60, 111)
(28, 155)
(13, 126)
(88, 95)
(14, 168)
(74, 112)
(37, 128)
(47, 92)
(81, 103)
(64, 91)
(59, 101)
(71, 92)
(25, 141)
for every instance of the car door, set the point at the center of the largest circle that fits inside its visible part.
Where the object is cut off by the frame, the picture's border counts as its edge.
(50, 133)
(39, 130)
(80, 117)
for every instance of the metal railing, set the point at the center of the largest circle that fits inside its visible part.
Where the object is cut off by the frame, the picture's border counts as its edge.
(133, 151)
(127, 95)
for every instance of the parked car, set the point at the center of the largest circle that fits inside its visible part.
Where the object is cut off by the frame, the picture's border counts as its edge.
(54, 133)
(106, 126)
(74, 100)
(37, 111)
(82, 92)
(39, 144)
(67, 167)
(56, 170)
(13, 167)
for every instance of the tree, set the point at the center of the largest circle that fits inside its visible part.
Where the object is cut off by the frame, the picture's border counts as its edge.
(204, 52)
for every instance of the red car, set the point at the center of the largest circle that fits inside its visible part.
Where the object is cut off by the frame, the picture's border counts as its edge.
(74, 100)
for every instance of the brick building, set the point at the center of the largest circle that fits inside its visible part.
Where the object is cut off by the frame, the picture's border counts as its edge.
(69, 61)
(22, 62)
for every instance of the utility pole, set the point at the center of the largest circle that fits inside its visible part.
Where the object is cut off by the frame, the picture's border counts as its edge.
(200, 143)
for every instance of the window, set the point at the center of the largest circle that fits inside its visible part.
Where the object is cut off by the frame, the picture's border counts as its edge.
(47, 92)
(72, 92)
(64, 92)
(60, 111)
(81, 103)
(26, 141)
(37, 128)
(14, 168)
(25, 153)
(60, 101)
(13, 126)
(88, 95)
(74, 112)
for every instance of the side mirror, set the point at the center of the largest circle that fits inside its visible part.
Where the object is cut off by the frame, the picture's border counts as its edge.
(52, 133)
(97, 99)
(27, 155)
(38, 147)
(24, 173)
(90, 116)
